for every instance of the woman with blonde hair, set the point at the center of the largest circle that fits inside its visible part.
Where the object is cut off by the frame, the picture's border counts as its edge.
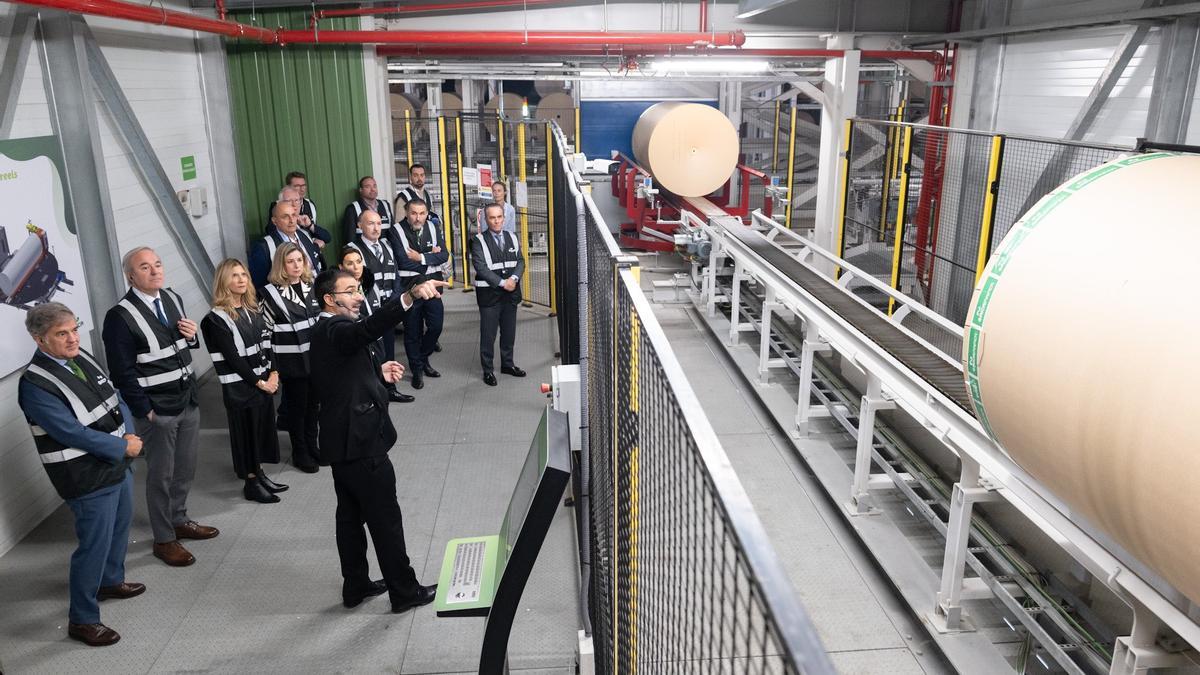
(293, 311)
(235, 333)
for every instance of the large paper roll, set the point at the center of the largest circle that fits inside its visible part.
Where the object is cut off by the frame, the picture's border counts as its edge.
(401, 103)
(451, 104)
(690, 148)
(558, 107)
(1081, 355)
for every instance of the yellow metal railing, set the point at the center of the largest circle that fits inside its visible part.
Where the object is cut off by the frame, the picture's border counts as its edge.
(901, 211)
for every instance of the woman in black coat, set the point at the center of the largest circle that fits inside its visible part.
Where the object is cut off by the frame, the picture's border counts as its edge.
(292, 310)
(236, 335)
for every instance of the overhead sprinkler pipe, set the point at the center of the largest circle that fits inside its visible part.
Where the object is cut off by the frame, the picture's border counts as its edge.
(619, 50)
(703, 15)
(420, 9)
(157, 16)
(515, 37)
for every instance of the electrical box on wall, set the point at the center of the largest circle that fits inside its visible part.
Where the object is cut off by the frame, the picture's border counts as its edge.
(194, 201)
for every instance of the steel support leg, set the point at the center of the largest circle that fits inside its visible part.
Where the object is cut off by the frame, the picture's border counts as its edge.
(764, 337)
(710, 278)
(811, 346)
(1140, 652)
(735, 297)
(872, 402)
(948, 613)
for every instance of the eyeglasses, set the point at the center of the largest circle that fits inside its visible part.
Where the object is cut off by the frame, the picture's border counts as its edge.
(353, 291)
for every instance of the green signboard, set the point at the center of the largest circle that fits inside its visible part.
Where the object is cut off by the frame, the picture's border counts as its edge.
(189, 166)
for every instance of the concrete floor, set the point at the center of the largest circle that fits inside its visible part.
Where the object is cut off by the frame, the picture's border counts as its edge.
(265, 596)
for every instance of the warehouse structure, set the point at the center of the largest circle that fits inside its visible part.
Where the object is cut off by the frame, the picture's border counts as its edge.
(862, 326)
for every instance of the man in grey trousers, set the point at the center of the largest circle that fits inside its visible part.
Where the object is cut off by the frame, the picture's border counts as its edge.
(148, 340)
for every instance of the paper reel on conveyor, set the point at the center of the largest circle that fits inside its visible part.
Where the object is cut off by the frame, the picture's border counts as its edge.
(690, 148)
(1081, 355)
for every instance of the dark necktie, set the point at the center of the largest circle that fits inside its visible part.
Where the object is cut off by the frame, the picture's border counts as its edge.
(76, 369)
(158, 310)
(499, 241)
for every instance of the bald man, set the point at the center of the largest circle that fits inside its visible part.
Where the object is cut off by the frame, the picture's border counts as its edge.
(287, 229)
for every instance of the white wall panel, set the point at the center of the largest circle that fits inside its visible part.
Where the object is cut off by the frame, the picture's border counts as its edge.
(1047, 77)
(158, 69)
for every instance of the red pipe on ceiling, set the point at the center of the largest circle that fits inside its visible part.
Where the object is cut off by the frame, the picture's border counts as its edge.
(157, 15)
(703, 15)
(512, 37)
(436, 7)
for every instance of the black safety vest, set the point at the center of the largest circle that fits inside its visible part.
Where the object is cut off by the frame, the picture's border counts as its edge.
(75, 472)
(383, 267)
(164, 362)
(249, 338)
(276, 239)
(291, 333)
(500, 260)
(382, 208)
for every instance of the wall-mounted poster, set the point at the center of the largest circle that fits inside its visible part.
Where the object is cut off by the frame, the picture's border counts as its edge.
(39, 252)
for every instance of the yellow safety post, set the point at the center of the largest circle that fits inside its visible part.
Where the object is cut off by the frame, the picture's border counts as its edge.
(885, 194)
(848, 134)
(550, 216)
(408, 135)
(444, 170)
(524, 213)
(578, 133)
(989, 206)
(462, 209)
(901, 212)
(791, 173)
(775, 139)
(896, 157)
(500, 140)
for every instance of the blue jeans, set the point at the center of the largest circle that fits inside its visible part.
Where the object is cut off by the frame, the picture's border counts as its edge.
(102, 526)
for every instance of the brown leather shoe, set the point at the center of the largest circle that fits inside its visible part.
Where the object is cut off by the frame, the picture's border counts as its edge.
(174, 554)
(120, 591)
(193, 530)
(92, 634)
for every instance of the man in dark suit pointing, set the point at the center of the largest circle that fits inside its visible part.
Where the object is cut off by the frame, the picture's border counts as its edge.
(357, 433)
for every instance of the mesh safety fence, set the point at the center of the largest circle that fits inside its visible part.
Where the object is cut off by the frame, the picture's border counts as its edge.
(682, 577)
(953, 194)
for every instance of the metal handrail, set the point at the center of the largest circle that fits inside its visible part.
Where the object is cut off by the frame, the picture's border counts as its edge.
(850, 272)
(989, 134)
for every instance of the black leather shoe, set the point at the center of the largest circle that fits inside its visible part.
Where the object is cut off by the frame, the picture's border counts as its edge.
(418, 380)
(397, 397)
(271, 485)
(430, 372)
(512, 370)
(424, 596)
(489, 379)
(437, 346)
(353, 599)
(308, 468)
(255, 492)
(93, 634)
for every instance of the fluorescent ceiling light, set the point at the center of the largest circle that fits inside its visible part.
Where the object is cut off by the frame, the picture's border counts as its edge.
(709, 65)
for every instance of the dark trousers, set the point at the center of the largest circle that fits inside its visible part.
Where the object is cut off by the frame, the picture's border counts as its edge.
(388, 339)
(170, 444)
(501, 316)
(366, 493)
(102, 526)
(301, 409)
(422, 328)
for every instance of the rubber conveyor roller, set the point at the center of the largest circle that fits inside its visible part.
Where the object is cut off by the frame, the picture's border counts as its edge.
(930, 366)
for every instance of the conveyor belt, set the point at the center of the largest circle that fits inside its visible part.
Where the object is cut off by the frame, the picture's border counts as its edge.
(926, 363)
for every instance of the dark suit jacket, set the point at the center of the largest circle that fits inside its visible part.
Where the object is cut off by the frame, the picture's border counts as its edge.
(486, 296)
(345, 376)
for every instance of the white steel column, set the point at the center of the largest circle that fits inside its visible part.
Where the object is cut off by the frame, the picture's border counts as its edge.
(841, 101)
(872, 402)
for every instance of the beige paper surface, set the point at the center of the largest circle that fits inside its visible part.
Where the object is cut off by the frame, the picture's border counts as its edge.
(690, 148)
(1086, 355)
(558, 107)
(451, 104)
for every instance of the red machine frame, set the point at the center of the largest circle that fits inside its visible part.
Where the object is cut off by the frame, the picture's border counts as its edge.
(645, 217)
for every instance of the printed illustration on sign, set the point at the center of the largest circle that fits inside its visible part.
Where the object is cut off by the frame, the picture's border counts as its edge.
(39, 252)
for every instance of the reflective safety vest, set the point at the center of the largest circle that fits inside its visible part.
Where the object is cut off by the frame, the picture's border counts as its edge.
(306, 243)
(252, 348)
(501, 262)
(383, 267)
(164, 362)
(291, 331)
(382, 208)
(74, 472)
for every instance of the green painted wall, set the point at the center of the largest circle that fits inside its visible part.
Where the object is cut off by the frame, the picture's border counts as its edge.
(298, 107)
